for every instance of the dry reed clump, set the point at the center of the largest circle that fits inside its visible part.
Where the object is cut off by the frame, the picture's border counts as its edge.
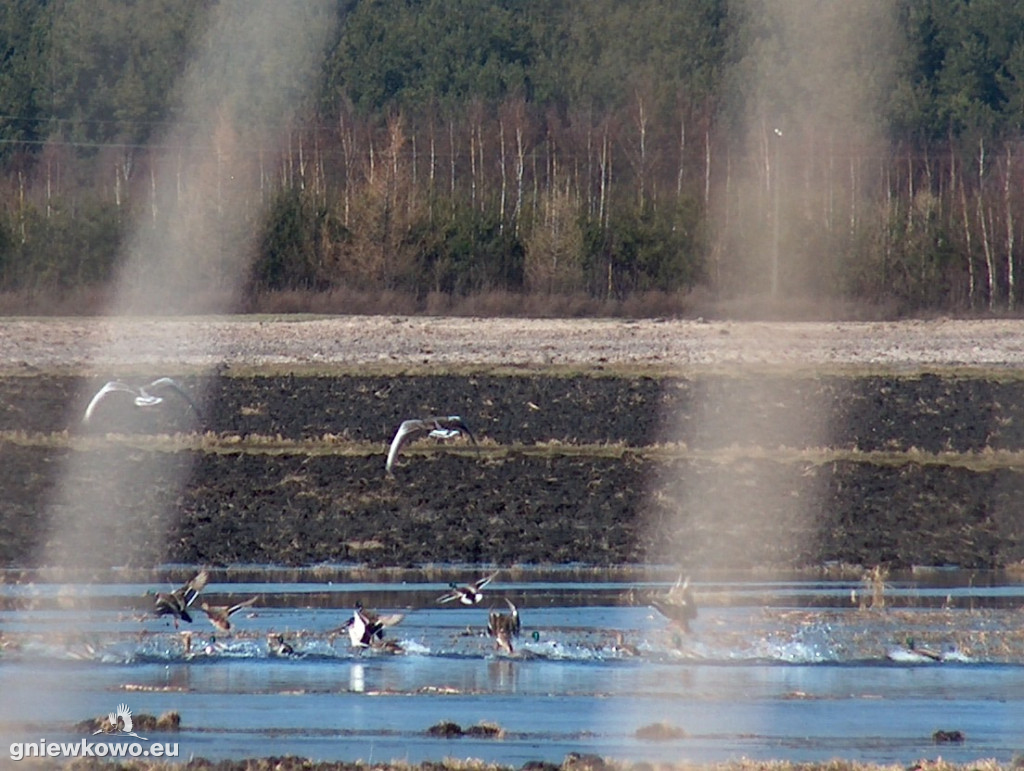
(168, 721)
(446, 729)
(660, 732)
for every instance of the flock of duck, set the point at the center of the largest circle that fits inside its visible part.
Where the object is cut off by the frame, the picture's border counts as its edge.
(365, 628)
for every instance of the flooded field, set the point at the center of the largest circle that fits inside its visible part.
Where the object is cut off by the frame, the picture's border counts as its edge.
(789, 667)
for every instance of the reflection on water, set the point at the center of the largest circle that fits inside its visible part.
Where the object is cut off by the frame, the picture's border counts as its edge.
(593, 665)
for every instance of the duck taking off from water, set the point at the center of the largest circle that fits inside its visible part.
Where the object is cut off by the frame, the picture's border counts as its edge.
(470, 594)
(278, 646)
(435, 428)
(220, 615)
(176, 603)
(504, 626)
(678, 605)
(143, 396)
(365, 624)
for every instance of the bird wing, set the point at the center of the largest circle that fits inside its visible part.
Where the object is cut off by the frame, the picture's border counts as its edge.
(113, 386)
(172, 385)
(514, 620)
(126, 715)
(454, 594)
(478, 585)
(238, 606)
(218, 615)
(409, 430)
(195, 585)
(455, 423)
(389, 620)
(681, 614)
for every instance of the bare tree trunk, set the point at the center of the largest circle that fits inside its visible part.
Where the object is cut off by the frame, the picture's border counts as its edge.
(433, 170)
(480, 161)
(347, 155)
(520, 171)
(986, 244)
(972, 280)
(1010, 274)
(606, 174)
(504, 175)
(472, 166)
(707, 166)
(21, 206)
(49, 186)
(319, 176)
(682, 157)
(413, 188)
(451, 144)
(641, 119)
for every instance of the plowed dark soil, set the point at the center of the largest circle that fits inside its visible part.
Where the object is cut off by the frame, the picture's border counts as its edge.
(572, 470)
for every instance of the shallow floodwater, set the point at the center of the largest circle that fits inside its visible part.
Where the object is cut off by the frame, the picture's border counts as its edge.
(795, 669)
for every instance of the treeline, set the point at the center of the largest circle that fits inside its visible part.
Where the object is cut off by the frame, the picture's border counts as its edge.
(575, 148)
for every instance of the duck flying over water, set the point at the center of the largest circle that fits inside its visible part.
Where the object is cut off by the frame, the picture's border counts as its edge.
(220, 615)
(435, 428)
(678, 605)
(504, 626)
(176, 603)
(365, 625)
(470, 594)
(143, 396)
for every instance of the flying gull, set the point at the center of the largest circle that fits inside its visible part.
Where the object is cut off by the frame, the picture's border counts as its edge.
(143, 396)
(435, 428)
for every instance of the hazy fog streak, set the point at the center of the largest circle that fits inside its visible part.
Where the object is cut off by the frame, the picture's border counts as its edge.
(806, 93)
(251, 71)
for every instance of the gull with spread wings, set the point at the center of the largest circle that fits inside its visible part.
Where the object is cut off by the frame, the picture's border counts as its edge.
(142, 396)
(435, 428)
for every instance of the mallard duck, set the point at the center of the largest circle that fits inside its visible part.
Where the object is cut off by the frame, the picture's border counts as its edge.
(176, 603)
(143, 396)
(219, 615)
(278, 646)
(470, 594)
(504, 626)
(678, 604)
(436, 428)
(365, 624)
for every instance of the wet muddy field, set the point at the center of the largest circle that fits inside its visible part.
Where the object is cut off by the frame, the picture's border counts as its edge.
(716, 471)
